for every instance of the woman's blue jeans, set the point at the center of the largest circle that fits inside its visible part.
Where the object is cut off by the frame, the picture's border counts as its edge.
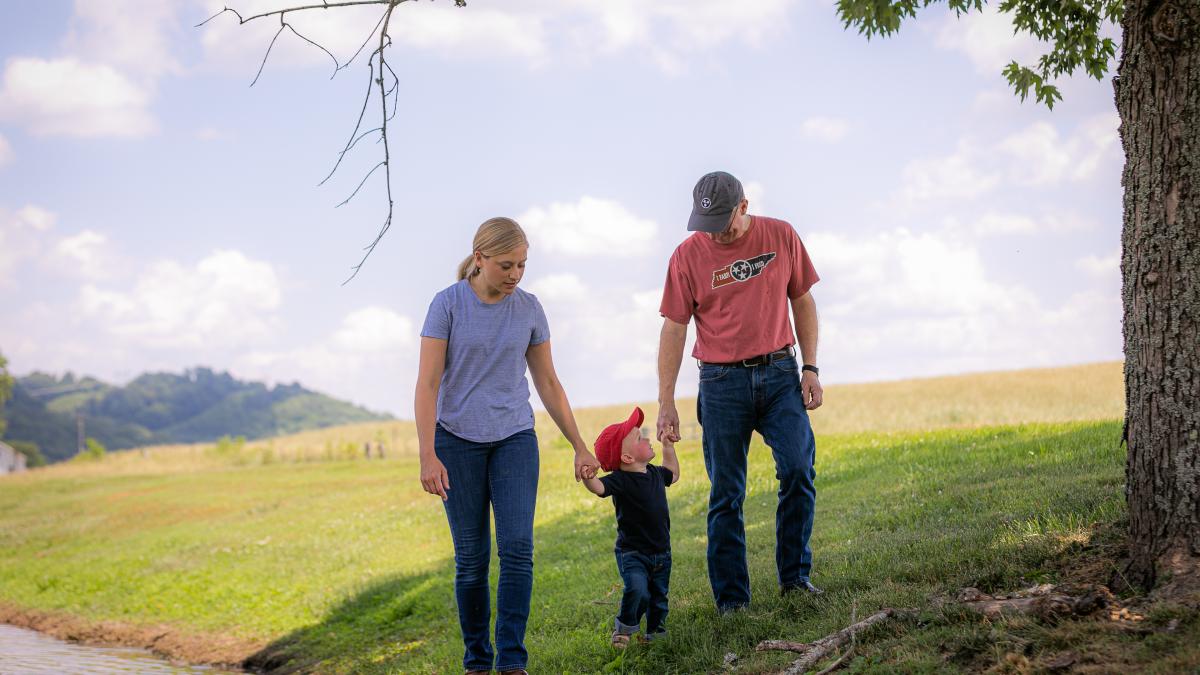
(734, 402)
(502, 478)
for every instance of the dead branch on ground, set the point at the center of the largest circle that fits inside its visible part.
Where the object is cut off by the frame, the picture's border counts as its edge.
(814, 652)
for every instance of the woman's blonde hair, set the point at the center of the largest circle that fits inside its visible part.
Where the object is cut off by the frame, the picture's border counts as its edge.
(496, 236)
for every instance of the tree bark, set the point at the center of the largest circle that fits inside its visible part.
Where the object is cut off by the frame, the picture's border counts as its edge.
(1158, 97)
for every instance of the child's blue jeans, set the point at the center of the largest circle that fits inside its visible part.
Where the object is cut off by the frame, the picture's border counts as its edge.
(647, 580)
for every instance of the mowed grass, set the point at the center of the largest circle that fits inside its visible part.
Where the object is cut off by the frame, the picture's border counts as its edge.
(346, 566)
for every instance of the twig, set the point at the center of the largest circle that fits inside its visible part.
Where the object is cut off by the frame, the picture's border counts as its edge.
(820, 649)
(364, 181)
(782, 646)
(264, 61)
(384, 41)
(364, 44)
(377, 64)
(841, 661)
(357, 125)
(336, 67)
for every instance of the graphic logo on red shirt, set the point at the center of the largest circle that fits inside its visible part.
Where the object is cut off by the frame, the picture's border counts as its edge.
(741, 270)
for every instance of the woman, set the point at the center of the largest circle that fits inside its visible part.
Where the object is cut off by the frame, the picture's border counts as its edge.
(475, 428)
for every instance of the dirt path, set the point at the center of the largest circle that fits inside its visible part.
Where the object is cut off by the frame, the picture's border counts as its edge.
(163, 639)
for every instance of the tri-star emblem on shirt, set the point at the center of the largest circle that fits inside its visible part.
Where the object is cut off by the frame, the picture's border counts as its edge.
(741, 270)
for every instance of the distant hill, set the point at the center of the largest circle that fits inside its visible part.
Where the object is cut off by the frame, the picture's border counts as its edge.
(163, 408)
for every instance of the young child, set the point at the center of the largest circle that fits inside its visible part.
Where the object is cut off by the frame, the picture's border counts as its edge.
(643, 549)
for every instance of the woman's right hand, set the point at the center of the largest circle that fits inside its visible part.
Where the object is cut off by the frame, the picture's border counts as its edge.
(434, 478)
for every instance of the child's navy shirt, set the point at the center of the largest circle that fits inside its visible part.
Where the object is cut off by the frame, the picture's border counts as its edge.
(643, 519)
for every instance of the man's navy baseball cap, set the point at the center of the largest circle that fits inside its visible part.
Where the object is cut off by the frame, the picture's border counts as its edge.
(714, 198)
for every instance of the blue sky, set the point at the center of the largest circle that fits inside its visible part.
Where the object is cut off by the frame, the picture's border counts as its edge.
(156, 213)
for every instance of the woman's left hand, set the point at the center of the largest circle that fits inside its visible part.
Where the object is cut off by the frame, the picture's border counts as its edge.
(586, 465)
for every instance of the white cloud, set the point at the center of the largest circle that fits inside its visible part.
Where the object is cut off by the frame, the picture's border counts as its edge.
(825, 129)
(988, 40)
(374, 329)
(1039, 156)
(955, 176)
(930, 297)
(6, 152)
(209, 134)
(102, 83)
(133, 36)
(65, 97)
(993, 223)
(589, 227)
(21, 234)
(35, 218)
(537, 32)
(85, 254)
(370, 358)
(756, 194)
(1036, 156)
(1106, 267)
(225, 299)
(614, 324)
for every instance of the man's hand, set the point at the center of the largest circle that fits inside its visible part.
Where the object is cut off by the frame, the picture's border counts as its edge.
(668, 422)
(586, 465)
(810, 390)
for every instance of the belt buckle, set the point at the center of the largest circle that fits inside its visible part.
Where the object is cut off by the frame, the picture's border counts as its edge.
(752, 362)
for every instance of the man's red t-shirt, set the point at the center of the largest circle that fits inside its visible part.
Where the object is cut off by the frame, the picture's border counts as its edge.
(738, 292)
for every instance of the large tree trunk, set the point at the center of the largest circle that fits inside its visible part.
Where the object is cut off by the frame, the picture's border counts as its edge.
(1158, 97)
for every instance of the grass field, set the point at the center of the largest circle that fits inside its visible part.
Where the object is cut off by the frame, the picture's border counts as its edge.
(345, 565)
(1074, 393)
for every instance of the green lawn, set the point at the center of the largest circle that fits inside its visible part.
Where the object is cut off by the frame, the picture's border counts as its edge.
(346, 566)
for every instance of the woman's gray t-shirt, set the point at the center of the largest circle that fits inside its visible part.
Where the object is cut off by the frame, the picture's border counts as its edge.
(484, 396)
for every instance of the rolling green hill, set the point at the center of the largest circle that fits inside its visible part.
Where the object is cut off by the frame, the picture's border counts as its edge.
(160, 408)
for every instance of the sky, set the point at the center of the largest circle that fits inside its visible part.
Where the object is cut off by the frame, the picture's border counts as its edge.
(158, 213)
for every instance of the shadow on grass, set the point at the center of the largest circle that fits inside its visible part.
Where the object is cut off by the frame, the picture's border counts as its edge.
(900, 518)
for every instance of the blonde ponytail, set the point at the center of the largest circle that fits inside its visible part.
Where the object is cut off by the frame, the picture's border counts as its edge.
(467, 268)
(496, 236)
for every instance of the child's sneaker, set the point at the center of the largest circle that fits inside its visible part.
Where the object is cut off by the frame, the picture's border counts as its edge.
(620, 640)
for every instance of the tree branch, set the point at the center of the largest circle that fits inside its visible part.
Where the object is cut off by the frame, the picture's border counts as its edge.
(377, 64)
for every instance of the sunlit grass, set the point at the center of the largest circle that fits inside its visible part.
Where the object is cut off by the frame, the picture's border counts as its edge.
(346, 566)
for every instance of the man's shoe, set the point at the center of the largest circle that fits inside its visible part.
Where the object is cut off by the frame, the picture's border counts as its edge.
(518, 671)
(802, 587)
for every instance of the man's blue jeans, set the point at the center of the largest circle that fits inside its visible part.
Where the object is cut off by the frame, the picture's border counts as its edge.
(734, 402)
(504, 476)
(647, 582)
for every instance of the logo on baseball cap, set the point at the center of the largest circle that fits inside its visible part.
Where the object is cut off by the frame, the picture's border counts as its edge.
(714, 198)
(608, 443)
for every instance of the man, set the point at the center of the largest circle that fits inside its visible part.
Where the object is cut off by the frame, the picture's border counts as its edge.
(738, 276)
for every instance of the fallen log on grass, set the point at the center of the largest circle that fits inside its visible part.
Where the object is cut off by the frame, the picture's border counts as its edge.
(1046, 602)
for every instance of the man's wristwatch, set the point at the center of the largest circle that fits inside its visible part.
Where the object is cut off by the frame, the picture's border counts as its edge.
(813, 369)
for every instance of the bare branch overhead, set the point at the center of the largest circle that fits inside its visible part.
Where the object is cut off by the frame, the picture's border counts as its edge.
(377, 64)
